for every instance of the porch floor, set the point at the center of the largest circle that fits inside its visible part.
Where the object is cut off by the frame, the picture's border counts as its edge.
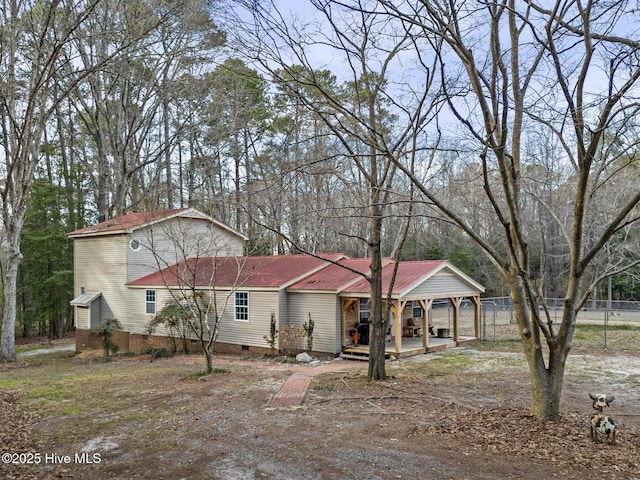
(410, 347)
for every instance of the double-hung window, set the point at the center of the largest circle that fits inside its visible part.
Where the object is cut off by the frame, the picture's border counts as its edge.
(150, 302)
(242, 306)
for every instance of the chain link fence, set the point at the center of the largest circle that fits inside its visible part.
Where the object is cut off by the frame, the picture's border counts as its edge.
(600, 325)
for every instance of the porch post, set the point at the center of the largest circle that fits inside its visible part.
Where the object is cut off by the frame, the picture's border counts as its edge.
(426, 306)
(476, 310)
(455, 303)
(398, 307)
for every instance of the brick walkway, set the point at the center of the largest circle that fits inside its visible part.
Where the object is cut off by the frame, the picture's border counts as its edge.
(294, 389)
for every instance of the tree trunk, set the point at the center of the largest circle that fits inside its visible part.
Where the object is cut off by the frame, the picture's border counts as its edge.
(377, 324)
(546, 386)
(209, 358)
(8, 344)
(167, 149)
(546, 379)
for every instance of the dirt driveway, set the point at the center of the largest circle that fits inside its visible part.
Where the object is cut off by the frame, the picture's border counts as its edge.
(460, 414)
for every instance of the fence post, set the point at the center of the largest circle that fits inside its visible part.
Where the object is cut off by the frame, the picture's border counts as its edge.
(606, 324)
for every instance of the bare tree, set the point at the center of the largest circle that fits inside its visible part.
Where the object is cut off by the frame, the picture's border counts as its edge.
(363, 115)
(567, 68)
(191, 259)
(36, 44)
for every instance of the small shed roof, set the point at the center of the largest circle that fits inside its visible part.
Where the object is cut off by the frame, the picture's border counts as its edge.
(85, 299)
(136, 220)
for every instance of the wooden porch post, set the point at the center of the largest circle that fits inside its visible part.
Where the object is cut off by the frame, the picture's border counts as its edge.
(476, 311)
(426, 306)
(398, 308)
(455, 303)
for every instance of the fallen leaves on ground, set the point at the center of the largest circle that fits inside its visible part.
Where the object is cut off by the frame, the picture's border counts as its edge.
(16, 437)
(514, 432)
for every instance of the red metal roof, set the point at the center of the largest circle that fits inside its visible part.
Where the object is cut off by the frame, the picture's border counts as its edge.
(132, 221)
(334, 277)
(126, 222)
(296, 272)
(238, 272)
(409, 274)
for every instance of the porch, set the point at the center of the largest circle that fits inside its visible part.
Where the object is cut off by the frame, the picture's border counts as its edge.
(415, 326)
(409, 347)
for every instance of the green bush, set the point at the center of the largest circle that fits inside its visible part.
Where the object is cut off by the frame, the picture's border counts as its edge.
(158, 352)
(106, 330)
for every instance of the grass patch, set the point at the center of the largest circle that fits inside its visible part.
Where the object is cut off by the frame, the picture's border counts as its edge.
(285, 359)
(203, 373)
(449, 363)
(31, 348)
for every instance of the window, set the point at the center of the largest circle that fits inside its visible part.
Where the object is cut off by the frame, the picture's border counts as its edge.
(150, 302)
(242, 306)
(416, 311)
(134, 245)
(364, 310)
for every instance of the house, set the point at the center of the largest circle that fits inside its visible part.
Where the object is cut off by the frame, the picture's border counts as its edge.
(110, 254)
(250, 290)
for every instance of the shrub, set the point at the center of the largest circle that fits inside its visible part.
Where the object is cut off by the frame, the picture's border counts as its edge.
(290, 340)
(308, 330)
(273, 334)
(160, 352)
(106, 330)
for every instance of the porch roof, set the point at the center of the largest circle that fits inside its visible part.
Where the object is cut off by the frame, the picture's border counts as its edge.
(411, 275)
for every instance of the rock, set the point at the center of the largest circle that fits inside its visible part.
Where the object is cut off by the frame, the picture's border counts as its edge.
(304, 357)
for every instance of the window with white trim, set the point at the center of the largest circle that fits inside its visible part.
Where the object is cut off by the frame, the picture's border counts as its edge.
(150, 301)
(134, 245)
(242, 307)
(416, 309)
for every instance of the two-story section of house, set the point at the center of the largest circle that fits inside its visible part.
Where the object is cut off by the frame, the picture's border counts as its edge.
(110, 254)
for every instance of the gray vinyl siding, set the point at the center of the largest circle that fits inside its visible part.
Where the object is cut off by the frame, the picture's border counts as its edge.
(95, 314)
(199, 238)
(283, 311)
(251, 333)
(442, 285)
(325, 311)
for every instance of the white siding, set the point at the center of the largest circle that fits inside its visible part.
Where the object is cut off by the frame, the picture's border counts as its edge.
(442, 285)
(325, 311)
(106, 263)
(82, 317)
(99, 266)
